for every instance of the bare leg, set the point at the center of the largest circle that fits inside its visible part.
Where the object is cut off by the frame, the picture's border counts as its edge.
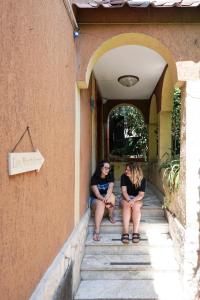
(126, 215)
(98, 216)
(110, 214)
(136, 216)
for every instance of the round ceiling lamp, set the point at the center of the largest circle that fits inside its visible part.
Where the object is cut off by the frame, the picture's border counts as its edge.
(128, 80)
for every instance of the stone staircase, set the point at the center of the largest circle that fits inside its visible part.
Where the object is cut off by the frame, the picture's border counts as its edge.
(143, 271)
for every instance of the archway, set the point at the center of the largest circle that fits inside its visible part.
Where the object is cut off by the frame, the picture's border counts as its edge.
(164, 89)
(127, 39)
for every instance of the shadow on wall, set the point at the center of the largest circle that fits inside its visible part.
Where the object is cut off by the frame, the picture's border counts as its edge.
(64, 291)
(197, 269)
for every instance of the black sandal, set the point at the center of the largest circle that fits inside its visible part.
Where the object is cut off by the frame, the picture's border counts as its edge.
(111, 219)
(135, 237)
(125, 238)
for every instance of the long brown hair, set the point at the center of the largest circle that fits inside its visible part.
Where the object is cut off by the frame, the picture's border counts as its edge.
(136, 173)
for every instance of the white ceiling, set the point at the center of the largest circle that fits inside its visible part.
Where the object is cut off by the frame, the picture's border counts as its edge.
(140, 61)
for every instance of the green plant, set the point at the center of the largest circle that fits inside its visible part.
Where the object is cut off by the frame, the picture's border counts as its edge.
(135, 136)
(171, 173)
(170, 178)
(171, 163)
(176, 116)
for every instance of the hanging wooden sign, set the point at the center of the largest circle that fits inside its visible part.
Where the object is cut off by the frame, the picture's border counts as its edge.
(21, 162)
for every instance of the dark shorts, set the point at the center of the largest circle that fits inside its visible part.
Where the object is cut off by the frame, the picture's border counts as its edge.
(92, 200)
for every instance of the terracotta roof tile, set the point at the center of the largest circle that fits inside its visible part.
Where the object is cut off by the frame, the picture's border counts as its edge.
(135, 3)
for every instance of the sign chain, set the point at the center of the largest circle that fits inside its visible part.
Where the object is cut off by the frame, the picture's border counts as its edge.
(27, 130)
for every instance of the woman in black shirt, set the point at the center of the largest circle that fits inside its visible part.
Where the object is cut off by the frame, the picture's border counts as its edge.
(103, 200)
(133, 186)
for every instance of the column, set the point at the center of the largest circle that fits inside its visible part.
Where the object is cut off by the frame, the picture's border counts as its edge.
(164, 134)
(77, 159)
(191, 270)
(152, 130)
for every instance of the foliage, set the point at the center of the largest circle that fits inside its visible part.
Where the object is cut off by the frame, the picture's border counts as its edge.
(171, 174)
(171, 165)
(133, 122)
(176, 116)
(170, 177)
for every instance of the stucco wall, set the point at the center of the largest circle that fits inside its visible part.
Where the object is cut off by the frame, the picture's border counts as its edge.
(181, 40)
(85, 148)
(37, 89)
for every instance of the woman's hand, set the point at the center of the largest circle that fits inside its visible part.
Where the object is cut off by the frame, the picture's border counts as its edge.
(107, 203)
(101, 198)
(131, 203)
(107, 196)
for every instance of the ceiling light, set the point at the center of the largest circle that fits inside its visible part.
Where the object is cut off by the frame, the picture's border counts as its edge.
(128, 80)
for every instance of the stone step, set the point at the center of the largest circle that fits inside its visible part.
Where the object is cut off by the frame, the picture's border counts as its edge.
(111, 243)
(123, 274)
(165, 288)
(144, 219)
(157, 225)
(151, 237)
(146, 212)
(128, 262)
(126, 266)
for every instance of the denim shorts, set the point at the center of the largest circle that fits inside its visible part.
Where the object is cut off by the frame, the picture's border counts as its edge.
(92, 199)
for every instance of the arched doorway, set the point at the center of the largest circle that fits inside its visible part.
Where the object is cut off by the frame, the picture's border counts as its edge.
(127, 134)
(139, 55)
(148, 55)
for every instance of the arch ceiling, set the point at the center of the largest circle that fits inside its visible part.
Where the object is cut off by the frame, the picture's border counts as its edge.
(136, 60)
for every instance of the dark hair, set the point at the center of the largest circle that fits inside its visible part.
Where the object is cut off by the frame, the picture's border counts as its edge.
(97, 173)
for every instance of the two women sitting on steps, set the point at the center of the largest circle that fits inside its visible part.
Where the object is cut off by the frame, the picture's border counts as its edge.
(133, 186)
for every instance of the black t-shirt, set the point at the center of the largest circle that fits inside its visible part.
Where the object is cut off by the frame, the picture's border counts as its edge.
(101, 183)
(132, 190)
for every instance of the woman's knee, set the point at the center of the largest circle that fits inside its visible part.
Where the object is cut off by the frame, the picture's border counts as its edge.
(126, 207)
(137, 206)
(100, 204)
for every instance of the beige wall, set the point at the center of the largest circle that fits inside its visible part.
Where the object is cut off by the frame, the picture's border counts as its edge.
(85, 148)
(37, 89)
(159, 37)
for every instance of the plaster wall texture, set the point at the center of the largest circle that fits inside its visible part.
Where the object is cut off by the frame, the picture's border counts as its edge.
(85, 148)
(177, 232)
(54, 283)
(37, 89)
(192, 189)
(155, 176)
(181, 40)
